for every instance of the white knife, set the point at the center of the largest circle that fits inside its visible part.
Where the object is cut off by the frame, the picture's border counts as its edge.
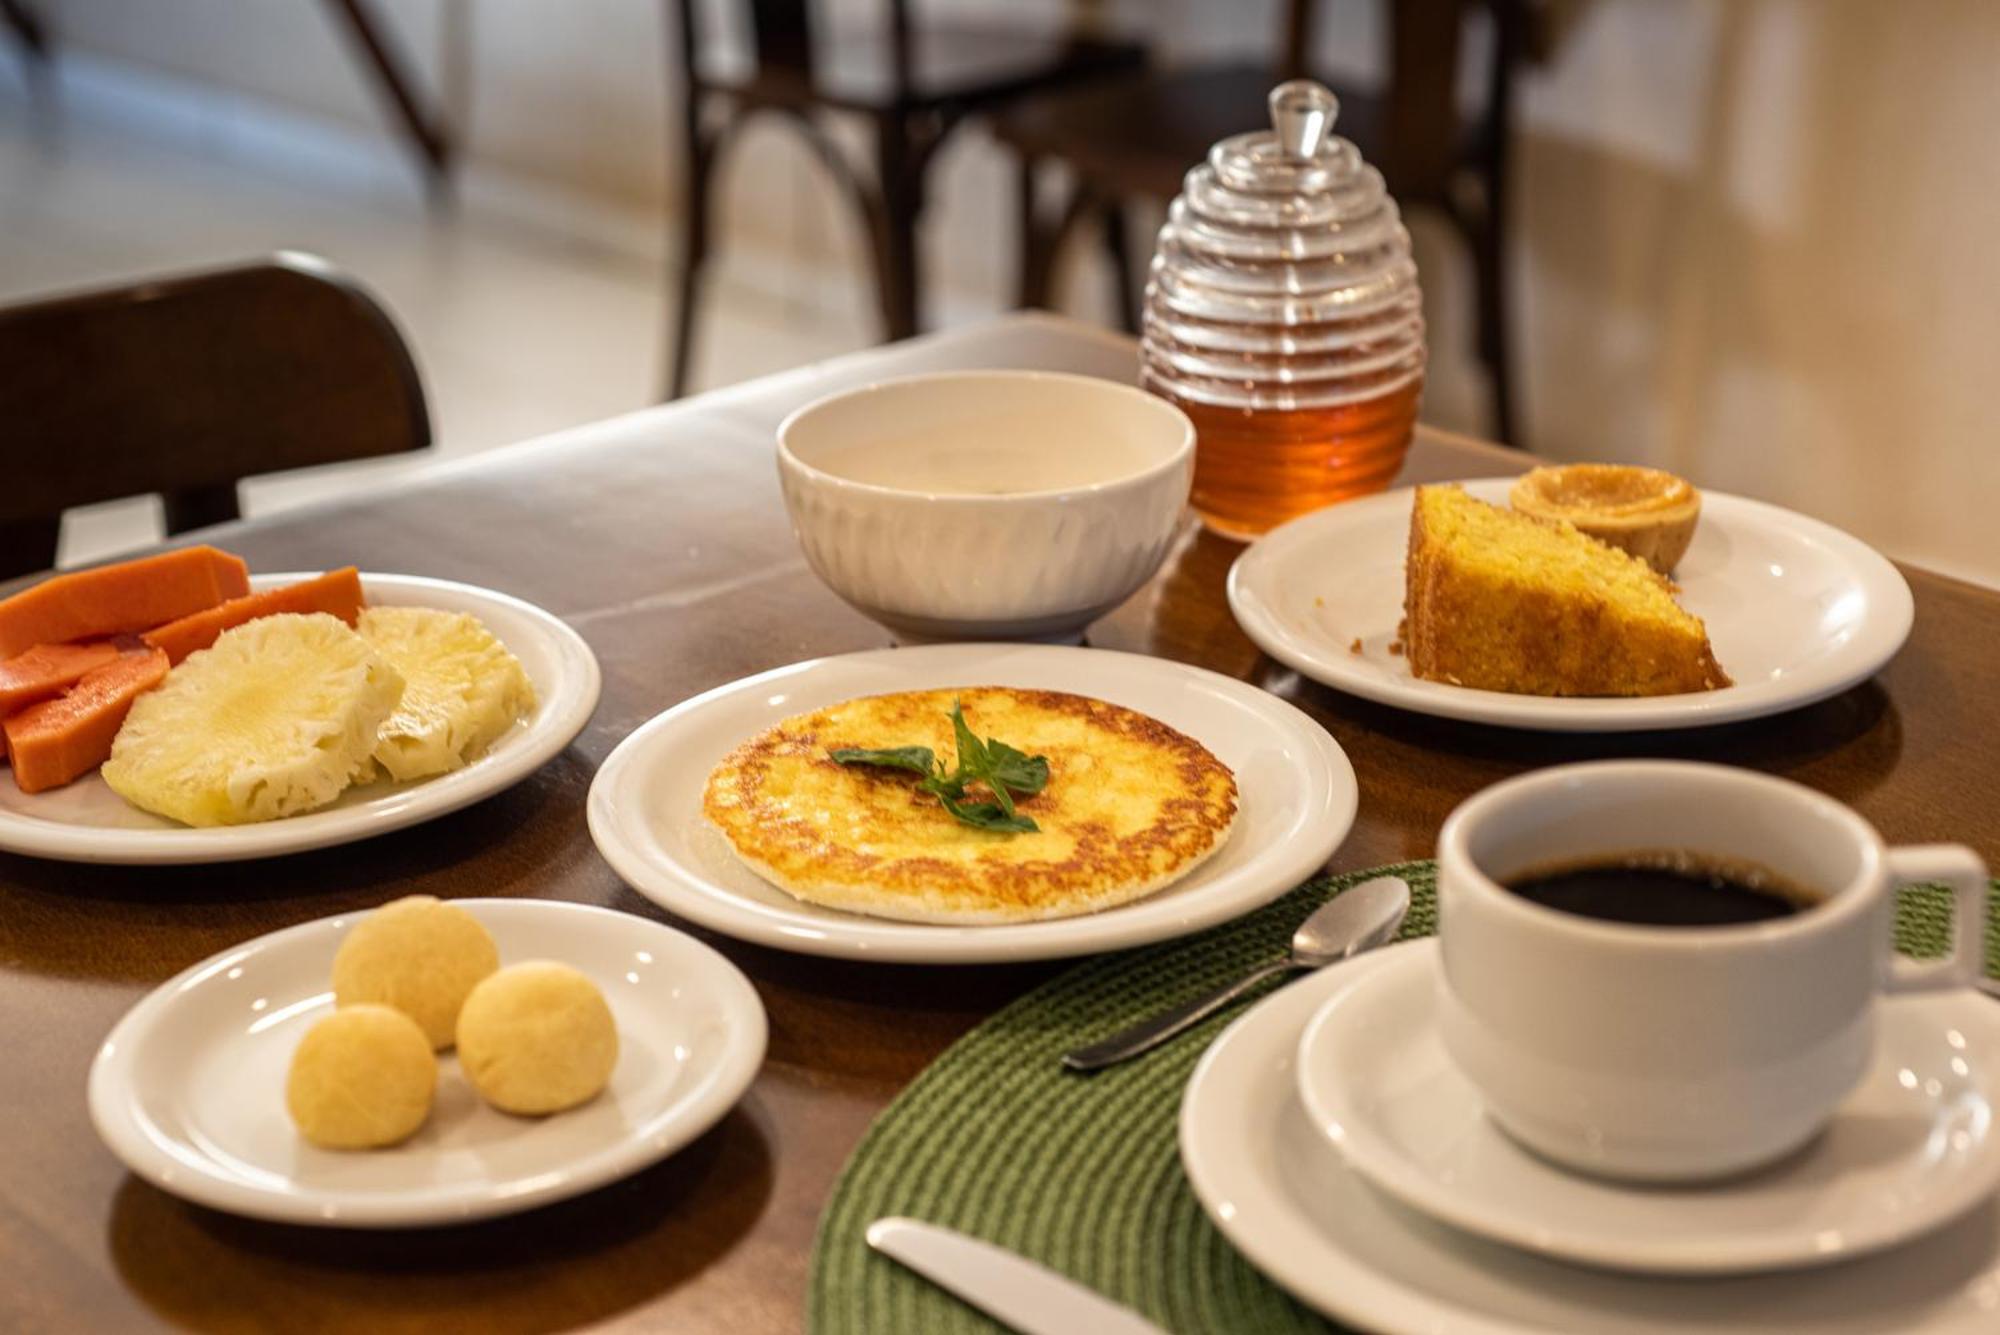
(1028, 1296)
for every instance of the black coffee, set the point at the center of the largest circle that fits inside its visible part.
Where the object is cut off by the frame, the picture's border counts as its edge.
(1664, 889)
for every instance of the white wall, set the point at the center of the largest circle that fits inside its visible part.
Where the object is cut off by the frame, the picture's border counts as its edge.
(1754, 237)
(1758, 248)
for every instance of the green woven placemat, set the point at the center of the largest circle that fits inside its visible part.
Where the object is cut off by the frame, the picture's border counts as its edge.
(1083, 1173)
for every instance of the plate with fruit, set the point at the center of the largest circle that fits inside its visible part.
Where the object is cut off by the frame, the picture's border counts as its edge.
(427, 1062)
(176, 709)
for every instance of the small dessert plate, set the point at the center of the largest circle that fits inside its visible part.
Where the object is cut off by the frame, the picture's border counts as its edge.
(1913, 1148)
(1796, 609)
(86, 822)
(1296, 799)
(189, 1088)
(1281, 1195)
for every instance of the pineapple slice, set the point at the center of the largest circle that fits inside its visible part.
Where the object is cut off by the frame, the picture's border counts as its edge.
(463, 688)
(275, 718)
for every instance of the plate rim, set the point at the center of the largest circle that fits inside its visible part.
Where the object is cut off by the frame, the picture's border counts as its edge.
(129, 1139)
(1344, 1289)
(27, 836)
(1329, 1277)
(1733, 1255)
(1256, 612)
(891, 941)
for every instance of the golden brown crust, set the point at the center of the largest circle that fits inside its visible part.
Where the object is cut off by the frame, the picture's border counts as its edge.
(1645, 511)
(1468, 626)
(1130, 805)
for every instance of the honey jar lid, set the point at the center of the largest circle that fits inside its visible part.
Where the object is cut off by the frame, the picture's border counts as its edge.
(1283, 273)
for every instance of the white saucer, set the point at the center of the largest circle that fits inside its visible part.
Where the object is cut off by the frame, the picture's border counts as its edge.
(86, 822)
(188, 1089)
(1284, 1198)
(1913, 1147)
(1797, 611)
(1296, 801)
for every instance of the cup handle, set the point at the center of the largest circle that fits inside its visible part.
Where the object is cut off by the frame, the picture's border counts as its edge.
(1960, 868)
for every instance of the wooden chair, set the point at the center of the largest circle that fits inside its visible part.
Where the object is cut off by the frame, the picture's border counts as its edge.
(423, 129)
(913, 84)
(24, 24)
(1137, 136)
(185, 385)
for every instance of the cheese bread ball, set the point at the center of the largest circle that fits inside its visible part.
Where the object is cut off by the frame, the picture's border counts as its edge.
(361, 1077)
(419, 955)
(537, 1038)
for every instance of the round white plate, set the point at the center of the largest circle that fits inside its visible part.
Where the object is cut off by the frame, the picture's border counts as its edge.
(87, 822)
(189, 1088)
(1295, 801)
(1284, 1198)
(1796, 609)
(1912, 1148)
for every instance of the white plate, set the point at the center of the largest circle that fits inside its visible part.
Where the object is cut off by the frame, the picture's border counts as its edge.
(1796, 609)
(87, 822)
(1295, 791)
(1288, 1202)
(189, 1088)
(1912, 1148)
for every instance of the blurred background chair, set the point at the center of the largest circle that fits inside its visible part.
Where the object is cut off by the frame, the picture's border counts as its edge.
(912, 81)
(1135, 137)
(23, 24)
(424, 131)
(186, 385)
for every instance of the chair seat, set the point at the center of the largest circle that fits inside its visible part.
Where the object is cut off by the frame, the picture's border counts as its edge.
(958, 64)
(1137, 136)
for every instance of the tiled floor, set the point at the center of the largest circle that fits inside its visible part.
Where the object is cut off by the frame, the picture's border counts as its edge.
(517, 332)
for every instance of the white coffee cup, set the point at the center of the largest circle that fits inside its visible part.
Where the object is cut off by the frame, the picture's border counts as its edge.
(1674, 1053)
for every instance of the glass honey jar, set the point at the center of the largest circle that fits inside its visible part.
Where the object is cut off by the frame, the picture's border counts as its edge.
(1283, 316)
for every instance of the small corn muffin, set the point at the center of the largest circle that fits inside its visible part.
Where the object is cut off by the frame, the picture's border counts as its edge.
(361, 1078)
(536, 1038)
(419, 955)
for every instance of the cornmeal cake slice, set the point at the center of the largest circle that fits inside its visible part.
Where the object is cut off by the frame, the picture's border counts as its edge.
(1503, 601)
(1130, 805)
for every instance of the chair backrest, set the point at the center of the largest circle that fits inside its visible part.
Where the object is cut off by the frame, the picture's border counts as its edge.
(187, 384)
(782, 46)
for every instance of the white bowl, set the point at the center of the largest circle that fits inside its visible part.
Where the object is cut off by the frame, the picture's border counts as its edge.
(986, 504)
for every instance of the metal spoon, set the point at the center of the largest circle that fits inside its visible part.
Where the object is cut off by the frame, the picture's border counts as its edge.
(1362, 918)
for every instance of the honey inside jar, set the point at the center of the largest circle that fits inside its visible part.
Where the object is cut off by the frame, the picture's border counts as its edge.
(1255, 468)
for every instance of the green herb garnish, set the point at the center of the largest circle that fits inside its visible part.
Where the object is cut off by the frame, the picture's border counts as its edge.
(1005, 772)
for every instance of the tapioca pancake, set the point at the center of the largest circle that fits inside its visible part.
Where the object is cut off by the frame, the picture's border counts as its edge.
(1130, 805)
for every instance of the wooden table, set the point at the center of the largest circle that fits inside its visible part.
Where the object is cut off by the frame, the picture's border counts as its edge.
(661, 537)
